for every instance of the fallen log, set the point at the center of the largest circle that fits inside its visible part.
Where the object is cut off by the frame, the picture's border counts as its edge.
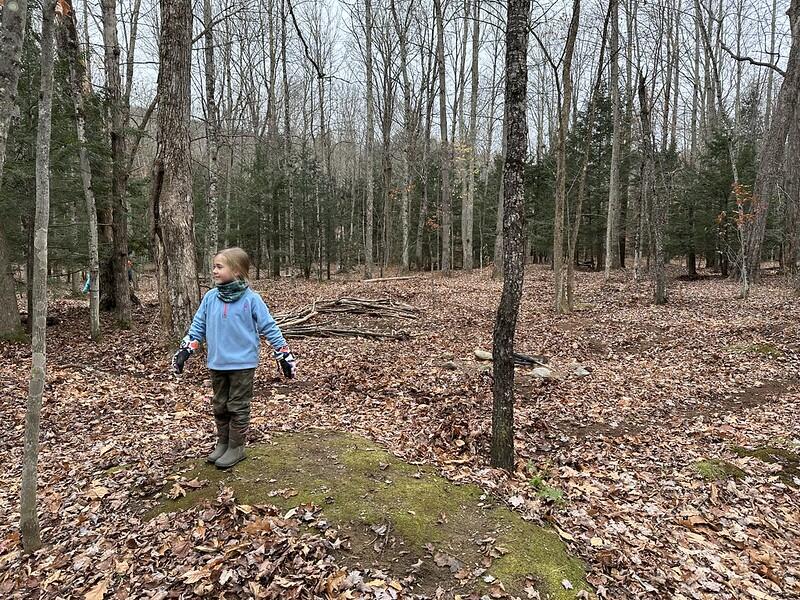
(379, 279)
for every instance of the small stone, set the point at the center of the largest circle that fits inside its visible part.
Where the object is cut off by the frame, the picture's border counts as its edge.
(542, 373)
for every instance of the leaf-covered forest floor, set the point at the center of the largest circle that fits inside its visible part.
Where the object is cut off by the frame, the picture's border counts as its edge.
(670, 469)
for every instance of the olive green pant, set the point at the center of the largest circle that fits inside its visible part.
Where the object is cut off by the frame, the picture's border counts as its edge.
(233, 391)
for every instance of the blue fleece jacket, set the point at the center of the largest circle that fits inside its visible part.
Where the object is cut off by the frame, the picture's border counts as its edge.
(232, 330)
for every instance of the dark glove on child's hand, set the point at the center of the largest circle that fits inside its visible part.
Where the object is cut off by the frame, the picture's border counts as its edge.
(286, 361)
(187, 348)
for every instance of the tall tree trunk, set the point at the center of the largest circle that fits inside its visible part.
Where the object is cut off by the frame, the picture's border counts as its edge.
(212, 137)
(468, 207)
(368, 173)
(428, 88)
(792, 190)
(613, 185)
(444, 150)
(78, 76)
(773, 149)
(171, 208)
(658, 196)
(559, 259)
(574, 228)
(513, 216)
(117, 280)
(12, 35)
(287, 139)
(408, 142)
(29, 520)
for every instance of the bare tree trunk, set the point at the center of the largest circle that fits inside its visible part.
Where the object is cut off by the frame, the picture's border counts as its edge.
(792, 191)
(497, 268)
(117, 280)
(29, 520)
(513, 217)
(613, 186)
(673, 144)
(695, 91)
(288, 173)
(370, 200)
(574, 228)
(12, 35)
(78, 76)
(469, 203)
(446, 225)
(171, 209)
(212, 137)
(772, 152)
(427, 88)
(560, 272)
(402, 34)
(659, 200)
(770, 73)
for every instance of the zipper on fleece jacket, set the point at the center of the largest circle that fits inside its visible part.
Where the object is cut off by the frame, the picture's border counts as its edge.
(225, 310)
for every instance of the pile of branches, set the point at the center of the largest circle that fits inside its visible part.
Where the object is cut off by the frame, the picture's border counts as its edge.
(295, 323)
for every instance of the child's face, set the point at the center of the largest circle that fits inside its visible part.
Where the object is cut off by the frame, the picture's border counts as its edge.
(221, 271)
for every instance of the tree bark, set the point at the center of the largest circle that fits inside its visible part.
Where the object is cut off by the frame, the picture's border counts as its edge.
(408, 142)
(444, 150)
(613, 185)
(368, 174)
(513, 215)
(559, 258)
(773, 149)
(658, 196)
(78, 76)
(212, 137)
(574, 229)
(29, 520)
(12, 36)
(468, 208)
(171, 208)
(117, 280)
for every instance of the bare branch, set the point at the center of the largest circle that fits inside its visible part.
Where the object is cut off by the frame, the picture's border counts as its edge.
(757, 63)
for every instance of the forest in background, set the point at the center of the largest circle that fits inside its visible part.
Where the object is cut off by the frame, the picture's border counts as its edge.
(318, 152)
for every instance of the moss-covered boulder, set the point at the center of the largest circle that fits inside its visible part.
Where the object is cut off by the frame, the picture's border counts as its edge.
(400, 517)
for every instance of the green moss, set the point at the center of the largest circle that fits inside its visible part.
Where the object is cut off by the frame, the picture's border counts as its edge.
(715, 469)
(18, 336)
(359, 485)
(788, 460)
(764, 349)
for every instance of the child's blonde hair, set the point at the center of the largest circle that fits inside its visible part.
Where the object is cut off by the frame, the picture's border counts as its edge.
(238, 261)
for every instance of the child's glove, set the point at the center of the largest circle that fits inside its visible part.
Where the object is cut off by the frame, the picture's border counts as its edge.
(187, 348)
(286, 361)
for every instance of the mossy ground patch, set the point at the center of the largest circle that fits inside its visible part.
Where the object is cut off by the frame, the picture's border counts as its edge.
(392, 512)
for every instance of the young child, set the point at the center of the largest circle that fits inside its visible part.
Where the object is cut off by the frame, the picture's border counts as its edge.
(231, 318)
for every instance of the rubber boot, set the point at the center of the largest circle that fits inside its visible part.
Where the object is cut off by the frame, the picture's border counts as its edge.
(235, 451)
(222, 442)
